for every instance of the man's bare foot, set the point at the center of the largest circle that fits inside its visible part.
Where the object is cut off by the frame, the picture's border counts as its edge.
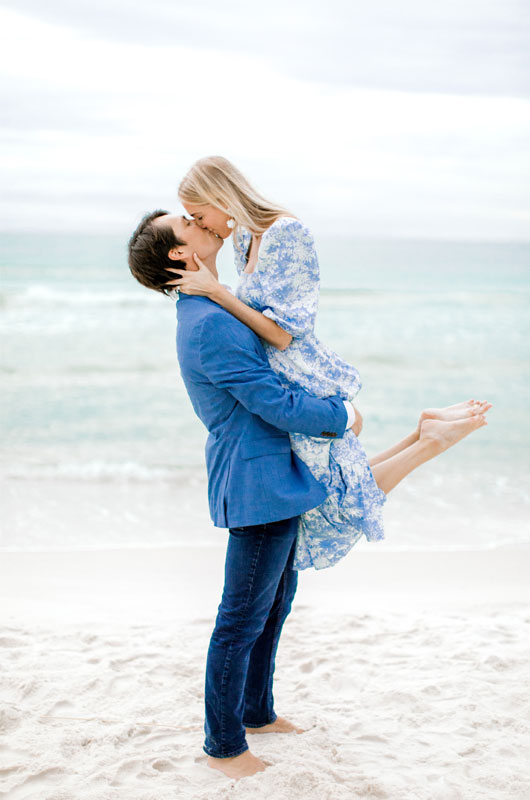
(237, 767)
(445, 434)
(468, 408)
(280, 725)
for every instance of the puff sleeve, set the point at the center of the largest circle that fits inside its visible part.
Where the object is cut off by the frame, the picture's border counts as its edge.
(288, 277)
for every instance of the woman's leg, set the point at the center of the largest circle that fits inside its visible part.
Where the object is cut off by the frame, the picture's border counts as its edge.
(435, 437)
(463, 410)
(395, 449)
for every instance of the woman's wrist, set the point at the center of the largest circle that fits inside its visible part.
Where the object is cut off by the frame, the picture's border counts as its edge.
(219, 294)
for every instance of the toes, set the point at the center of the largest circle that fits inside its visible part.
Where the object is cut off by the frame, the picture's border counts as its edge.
(480, 407)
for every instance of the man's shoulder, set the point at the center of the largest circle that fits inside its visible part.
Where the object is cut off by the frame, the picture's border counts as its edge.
(221, 331)
(212, 321)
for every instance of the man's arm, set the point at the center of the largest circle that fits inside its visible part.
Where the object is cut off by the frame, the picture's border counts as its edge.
(232, 358)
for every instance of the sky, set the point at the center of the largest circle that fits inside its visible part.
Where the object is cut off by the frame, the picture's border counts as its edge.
(378, 119)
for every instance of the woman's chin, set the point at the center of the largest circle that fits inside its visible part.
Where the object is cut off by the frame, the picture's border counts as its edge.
(219, 238)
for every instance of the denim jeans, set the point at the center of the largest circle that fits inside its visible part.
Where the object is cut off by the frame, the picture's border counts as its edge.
(260, 584)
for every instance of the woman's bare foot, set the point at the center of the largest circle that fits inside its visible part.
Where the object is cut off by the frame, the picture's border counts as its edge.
(237, 767)
(468, 408)
(280, 725)
(445, 434)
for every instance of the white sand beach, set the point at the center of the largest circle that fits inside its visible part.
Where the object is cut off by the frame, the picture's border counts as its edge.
(409, 671)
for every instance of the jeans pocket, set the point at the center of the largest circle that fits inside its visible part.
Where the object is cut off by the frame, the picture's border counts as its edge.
(239, 532)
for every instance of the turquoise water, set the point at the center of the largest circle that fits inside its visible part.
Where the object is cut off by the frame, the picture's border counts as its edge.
(92, 394)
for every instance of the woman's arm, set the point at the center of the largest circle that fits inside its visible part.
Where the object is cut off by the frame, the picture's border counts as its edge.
(202, 282)
(265, 328)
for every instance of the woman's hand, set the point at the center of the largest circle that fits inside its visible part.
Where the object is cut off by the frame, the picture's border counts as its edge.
(200, 281)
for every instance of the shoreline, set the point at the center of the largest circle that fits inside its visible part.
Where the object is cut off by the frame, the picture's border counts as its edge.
(175, 583)
(362, 545)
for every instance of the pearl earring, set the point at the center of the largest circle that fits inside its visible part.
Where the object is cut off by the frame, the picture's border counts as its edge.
(230, 223)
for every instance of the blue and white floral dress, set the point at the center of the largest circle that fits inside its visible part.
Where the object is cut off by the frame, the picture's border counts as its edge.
(284, 286)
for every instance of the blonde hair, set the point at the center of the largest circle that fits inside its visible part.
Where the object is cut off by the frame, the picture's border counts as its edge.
(215, 181)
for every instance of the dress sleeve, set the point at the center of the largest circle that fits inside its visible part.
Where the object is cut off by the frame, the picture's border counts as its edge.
(288, 276)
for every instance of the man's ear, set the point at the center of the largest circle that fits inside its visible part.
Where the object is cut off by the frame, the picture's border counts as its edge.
(174, 254)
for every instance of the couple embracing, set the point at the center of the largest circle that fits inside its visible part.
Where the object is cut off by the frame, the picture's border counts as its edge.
(287, 474)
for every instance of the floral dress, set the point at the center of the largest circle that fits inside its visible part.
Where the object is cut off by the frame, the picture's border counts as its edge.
(284, 286)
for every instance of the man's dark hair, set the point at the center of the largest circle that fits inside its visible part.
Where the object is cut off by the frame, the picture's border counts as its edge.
(148, 253)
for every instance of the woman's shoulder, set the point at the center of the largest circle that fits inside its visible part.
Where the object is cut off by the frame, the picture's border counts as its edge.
(280, 225)
(287, 227)
(286, 222)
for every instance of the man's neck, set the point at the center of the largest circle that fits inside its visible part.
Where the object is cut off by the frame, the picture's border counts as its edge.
(210, 262)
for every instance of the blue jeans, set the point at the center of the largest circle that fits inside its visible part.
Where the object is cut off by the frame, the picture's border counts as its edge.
(260, 584)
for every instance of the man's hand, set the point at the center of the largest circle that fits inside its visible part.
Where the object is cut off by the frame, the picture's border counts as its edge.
(358, 424)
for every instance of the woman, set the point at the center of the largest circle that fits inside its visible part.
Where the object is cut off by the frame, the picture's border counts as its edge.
(277, 296)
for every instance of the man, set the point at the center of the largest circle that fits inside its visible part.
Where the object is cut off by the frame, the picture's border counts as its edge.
(257, 487)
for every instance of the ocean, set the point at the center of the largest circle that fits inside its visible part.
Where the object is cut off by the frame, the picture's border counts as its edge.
(101, 445)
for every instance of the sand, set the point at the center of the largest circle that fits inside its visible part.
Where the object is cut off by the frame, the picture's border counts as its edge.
(409, 671)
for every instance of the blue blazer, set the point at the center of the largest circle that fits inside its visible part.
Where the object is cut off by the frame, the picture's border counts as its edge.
(253, 476)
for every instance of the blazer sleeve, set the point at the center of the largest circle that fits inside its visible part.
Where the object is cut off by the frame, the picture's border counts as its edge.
(233, 358)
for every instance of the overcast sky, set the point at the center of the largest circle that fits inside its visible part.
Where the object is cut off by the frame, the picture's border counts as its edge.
(373, 119)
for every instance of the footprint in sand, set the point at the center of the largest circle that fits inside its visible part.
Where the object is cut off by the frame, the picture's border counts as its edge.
(10, 719)
(11, 641)
(372, 738)
(62, 705)
(308, 666)
(126, 771)
(163, 765)
(39, 781)
(432, 690)
(6, 771)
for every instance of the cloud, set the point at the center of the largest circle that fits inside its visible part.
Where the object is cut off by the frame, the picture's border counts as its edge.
(465, 46)
(35, 106)
(99, 129)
